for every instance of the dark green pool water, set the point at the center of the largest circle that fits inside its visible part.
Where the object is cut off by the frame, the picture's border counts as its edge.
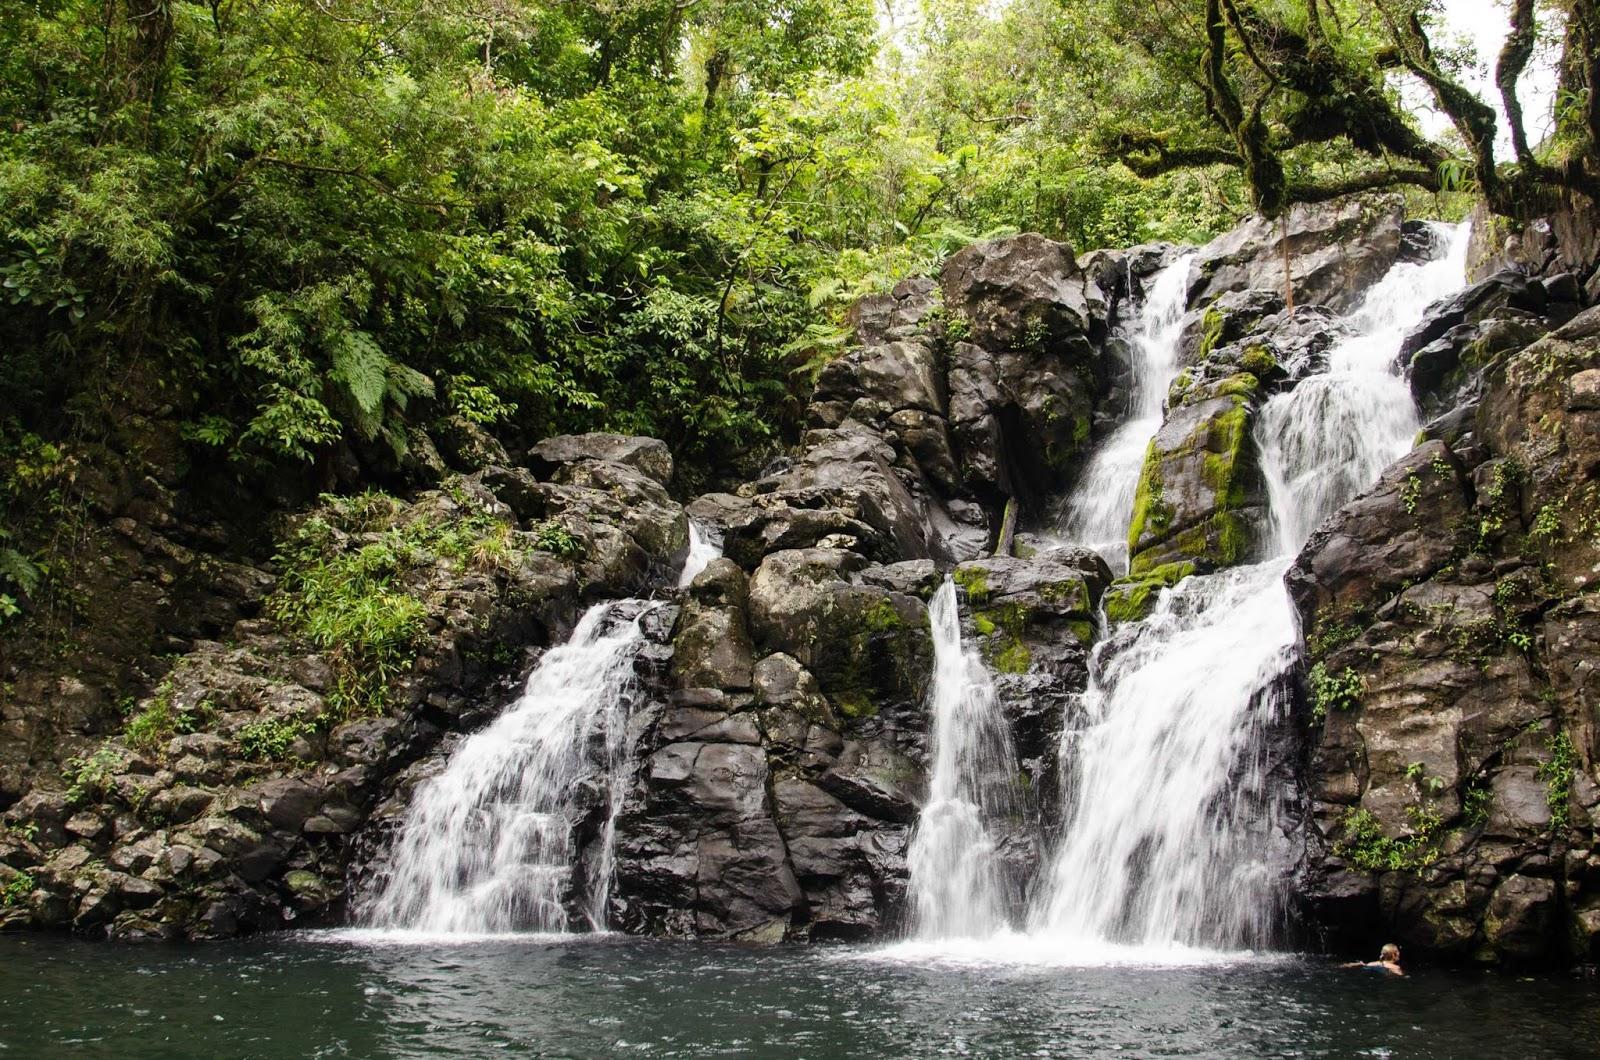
(316, 996)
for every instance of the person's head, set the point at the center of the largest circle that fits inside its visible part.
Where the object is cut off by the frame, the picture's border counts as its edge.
(1390, 952)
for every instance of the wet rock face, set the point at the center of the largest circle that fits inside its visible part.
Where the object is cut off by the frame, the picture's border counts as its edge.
(774, 799)
(1451, 622)
(1034, 622)
(781, 767)
(1026, 368)
(1471, 331)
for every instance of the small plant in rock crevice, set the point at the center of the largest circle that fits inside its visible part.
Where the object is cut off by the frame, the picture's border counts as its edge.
(1365, 844)
(89, 776)
(557, 540)
(1341, 691)
(16, 890)
(1476, 803)
(1558, 773)
(271, 739)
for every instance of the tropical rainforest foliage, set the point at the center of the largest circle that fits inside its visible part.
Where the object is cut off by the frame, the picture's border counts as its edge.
(292, 225)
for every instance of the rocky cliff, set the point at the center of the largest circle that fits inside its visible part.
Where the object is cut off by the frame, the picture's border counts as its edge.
(777, 759)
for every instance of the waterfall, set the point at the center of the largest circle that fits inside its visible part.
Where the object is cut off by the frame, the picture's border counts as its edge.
(487, 845)
(703, 548)
(1170, 807)
(1098, 511)
(1330, 437)
(956, 885)
(1171, 831)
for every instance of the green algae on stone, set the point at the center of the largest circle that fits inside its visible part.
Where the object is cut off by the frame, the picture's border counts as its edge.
(973, 580)
(1149, 510)
(1132, 598)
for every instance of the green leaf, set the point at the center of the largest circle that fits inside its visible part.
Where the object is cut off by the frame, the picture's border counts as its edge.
(362, 366)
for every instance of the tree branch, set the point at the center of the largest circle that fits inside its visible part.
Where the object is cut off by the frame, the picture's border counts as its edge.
(1508, 69)
(1374, 180)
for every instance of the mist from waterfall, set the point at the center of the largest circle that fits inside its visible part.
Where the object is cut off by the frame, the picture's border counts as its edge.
(1099, 509)
(955, 880)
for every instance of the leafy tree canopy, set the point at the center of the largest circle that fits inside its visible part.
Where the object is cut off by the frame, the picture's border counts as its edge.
(299, 225)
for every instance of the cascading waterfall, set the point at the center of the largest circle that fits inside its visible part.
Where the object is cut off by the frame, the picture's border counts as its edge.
(487, 845)
(1171, 824)
(1099, 509)
(1170, 807)
(1330, 437)
(704, 547)
(956, 886)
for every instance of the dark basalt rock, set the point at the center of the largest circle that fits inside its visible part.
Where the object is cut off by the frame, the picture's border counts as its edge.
(1446, 612)
(1023, 290)
(883, 318)
(1333, 251)
(649, 455)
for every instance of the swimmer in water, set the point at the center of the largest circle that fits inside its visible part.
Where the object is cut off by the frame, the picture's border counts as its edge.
(1388, 961)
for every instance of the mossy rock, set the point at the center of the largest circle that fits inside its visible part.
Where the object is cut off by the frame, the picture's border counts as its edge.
(1259, 361)
(974, 581)
(1223, 540)
(1211, 324)
(1150, 511)
(1131, 599)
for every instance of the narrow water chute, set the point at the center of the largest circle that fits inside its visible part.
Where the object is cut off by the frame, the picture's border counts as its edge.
(956, 882)
(1098, 510)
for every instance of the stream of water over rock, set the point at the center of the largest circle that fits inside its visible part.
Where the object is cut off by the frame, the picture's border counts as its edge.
(1173, 833)
(1171, 836)
(1097, 513)
(1172, 841)
(956, 888)
(487, 846)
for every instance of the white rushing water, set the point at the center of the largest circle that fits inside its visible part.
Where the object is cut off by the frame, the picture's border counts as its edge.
(1171, 838)
(487, 845)
(1100, 507)
(1170, 806)
(704, 546)
(1330, 437)
(956, 886)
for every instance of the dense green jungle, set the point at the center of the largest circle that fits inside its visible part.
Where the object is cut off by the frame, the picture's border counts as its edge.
(799, 527)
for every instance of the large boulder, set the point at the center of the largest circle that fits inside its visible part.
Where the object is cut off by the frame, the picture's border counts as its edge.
(842, 489)
(1200, 499)
(1022, 290)
(866, 644)
(649, 455)
(1333, 250)
(895, 315)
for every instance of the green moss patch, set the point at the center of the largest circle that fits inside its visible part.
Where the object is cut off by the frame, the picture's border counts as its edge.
(1131, 599)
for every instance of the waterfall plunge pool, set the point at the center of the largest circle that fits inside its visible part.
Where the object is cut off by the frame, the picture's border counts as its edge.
(332, 994)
